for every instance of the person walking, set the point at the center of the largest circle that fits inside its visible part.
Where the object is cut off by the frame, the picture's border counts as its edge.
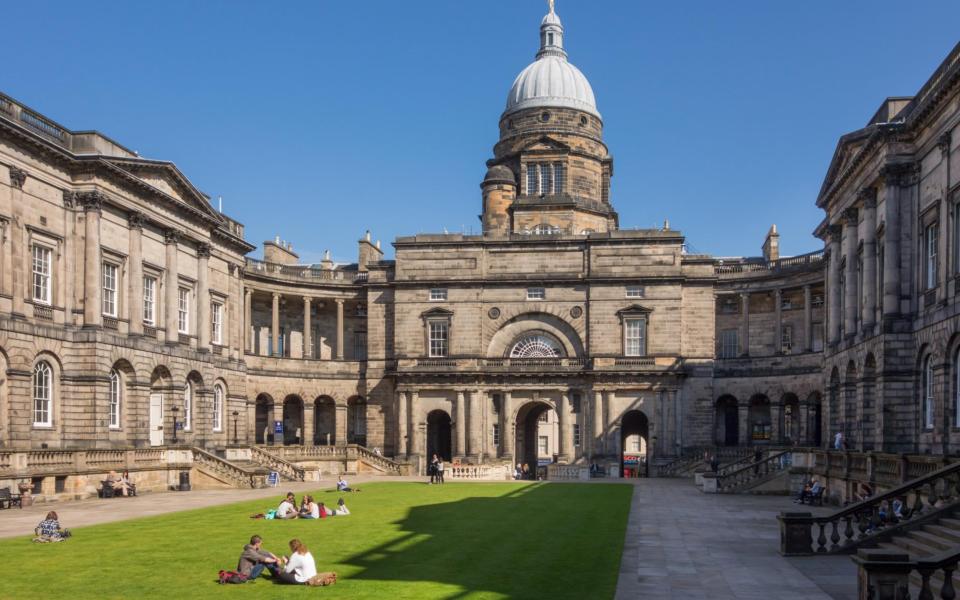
(838, 441)
(432, 469)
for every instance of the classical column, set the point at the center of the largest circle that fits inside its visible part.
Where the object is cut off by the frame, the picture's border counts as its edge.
(135, 221)
(92, 269)
(892, 174)
(277, 416)
(308, 424)
(778, 320)
(171, 284)
(402, 424)
(868, 316)
(275, 325)
(461, 425)
(339, 329)
(341, 424)
(507, 435)
(597, 422)
(414, 442)
(203, 298)
(743, 418)
(609, 440)
(247, 320)
(850, 291)
(776, 429)
(307, 341)
(833, 285)
(807, 318)
(566, 432)
(745, 326)
(20, 264)
(475, 430)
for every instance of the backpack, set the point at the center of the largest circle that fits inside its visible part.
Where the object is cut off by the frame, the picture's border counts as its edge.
(232, 577)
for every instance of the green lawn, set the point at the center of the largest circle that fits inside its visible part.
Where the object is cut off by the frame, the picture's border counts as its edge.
(403, 540)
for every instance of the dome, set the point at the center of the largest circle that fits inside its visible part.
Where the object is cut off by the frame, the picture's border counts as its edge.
(551, 80)
(500, 173)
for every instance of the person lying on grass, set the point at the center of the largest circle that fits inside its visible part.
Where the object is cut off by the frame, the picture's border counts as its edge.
(341, 508)
(253, 560)
(287, 508)
(49, 529)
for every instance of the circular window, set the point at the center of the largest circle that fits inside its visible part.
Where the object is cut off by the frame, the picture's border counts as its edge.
(536, 345)
(494, 313)
(544, 116)
(576, 312)
(583, 121)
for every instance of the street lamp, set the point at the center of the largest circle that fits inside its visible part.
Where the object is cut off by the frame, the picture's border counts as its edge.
(174, 409)
(235, 415)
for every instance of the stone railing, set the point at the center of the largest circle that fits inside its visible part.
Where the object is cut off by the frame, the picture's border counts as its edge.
(229, 471)
(885, 574)
(883, 470)
(737, 268)
(568, 473)
(275, 463)
(747, 459)
(296, 453)
(752, 472)
(693, 457)
(859, 523)
(369, 456)
(479, 472)
(302, 272)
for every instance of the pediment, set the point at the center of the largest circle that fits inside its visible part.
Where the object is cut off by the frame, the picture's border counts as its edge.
(634, 309)
(436, 313)
(166, 178)
(546, 144)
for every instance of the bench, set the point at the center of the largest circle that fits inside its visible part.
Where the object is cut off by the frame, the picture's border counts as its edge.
(8, 499)
(107, 491)
(818, 497)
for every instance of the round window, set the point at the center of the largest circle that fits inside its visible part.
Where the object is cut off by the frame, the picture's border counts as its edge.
(544, 116)
(583, 121)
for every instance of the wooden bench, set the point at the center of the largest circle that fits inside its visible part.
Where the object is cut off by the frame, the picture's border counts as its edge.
(107, 491)
(818, 497)
(8, 499)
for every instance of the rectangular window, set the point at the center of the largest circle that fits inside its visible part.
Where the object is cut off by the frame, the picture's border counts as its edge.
(786, 339)
(818, 337)
(543, 446)
(42, 282)
(360, 345)
(930, 239)
(536, 293)
(635, 291)
(546, 178)
(183, 310)
(149, 300)
(438, 337)
(216, 323)
(576, 434)
(634, 443)
(438, 294)
(544, 417)
(496, 435)
(109, 300)
(558, 178)
(634, 337)
(533, 179)
(729, 343)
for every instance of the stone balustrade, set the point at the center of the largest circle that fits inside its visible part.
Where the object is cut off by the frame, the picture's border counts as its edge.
(752, 472)
(885, 574)
(275, 463)
(478, 472)
(568, 473)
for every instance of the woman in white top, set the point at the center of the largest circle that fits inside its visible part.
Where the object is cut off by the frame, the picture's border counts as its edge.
(299, 568)
(311, 510)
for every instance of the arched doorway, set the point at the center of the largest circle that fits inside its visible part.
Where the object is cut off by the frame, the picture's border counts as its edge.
(634, 432)
(324, 421)
(538, 436)
(292, 420)
(438, 435)
(264, 414)
(790, 423)
(727, 421)
(758, 419)
(357, 421)
(160, 385)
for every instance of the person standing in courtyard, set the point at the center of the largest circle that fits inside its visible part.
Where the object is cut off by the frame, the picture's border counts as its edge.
(440, 468)
(432, 469)
(838, 441)
(253, 560)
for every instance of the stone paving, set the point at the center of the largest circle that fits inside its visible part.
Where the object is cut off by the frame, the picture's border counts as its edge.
(681, 543)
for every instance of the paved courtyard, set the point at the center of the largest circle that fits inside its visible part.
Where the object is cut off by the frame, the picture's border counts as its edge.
(685, 544)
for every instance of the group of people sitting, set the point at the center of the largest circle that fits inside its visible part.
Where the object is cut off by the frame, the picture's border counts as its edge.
(812, 489)
(299, 568)
(522, 471)
(309, 509)
(50, 530)
(121, 485)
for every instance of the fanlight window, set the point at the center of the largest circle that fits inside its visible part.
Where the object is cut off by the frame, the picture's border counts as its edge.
(536, 346)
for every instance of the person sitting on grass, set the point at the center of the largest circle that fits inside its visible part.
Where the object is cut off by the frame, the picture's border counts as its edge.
(343, 487)
(310, 509)
(300, 568)
(253, 560)
(49, 529)
(323, 511)
(287, 508)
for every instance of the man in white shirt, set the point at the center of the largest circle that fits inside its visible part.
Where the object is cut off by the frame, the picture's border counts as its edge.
(287, 508)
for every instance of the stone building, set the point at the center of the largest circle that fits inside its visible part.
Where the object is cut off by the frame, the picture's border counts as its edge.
(130, 316)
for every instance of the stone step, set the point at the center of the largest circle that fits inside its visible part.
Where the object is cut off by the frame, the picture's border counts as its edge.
(949, 523)
(914, 547)
(947, 533)
(930, 538)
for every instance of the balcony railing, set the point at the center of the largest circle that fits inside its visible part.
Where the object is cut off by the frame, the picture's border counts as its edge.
(303, 272)
(737, 268)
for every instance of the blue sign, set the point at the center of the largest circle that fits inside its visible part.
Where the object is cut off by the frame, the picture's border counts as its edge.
(278, 426)
(179, 426)
(273, 479)
(542, 462)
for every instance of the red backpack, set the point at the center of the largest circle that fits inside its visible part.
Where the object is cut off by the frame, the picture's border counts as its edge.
(232, 577)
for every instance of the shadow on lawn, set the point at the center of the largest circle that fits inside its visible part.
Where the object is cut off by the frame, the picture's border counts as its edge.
(534, 541)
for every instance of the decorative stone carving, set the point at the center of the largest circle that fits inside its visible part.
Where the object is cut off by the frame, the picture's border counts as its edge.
(136, 220)
(494, 313)
(869, 197)
(850, 216)
(69, 198)
(944, 142)
(17, 177)
(171, 236)
(203, 250)
(835, 231)
(576, 312)
(91, 201)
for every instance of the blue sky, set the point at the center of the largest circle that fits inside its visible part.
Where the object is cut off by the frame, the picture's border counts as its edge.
(318, 120)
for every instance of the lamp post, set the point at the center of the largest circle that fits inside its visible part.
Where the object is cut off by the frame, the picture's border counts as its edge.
(174, 409)
(235, 415)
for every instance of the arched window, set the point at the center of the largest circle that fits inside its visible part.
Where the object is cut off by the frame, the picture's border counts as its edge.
(188, 406)
(116, 393)
(42, 395)
(537, 345)
(217, 407)
(927, 390)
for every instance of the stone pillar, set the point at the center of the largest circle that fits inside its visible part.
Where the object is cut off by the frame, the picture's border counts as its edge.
(776, 418)
(507, 435)
(277, 416)
(171, 285)
(807, 319)
(20, 264)
(402, 429)
(597, 419)
(307, 333)
(203, 298)
(275, 325)
(247, 320)
(566, 431)
(308, 424)
(475, 428)
(743, 416)
(340, 417)
(745, 326)
(461, 425)
(833, 286)
(850, 292)
(869, 314)
(609, 441)
(803, 435)
(891, 240)
(778, 320)
(414, 442)
(135, 220)
(339, 329)
(92, 267)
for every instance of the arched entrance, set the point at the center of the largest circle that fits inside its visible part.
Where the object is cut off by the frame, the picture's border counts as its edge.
(438, 435)
(759, 420)
(538, 436)
(264, 414)
(727, 421)
(292, 420)
(160, 384)
(634, 431)
(324, 421)
(357, 421)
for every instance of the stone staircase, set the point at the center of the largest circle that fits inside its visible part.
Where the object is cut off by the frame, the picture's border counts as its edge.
(926, 541)
(746, 476)
(229, 472)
